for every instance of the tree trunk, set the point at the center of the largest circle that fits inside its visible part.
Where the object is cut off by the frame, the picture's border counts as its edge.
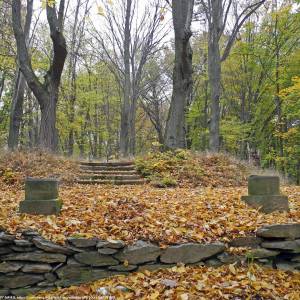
(46, 93)
(16, 111)
(31, 141)
(175, 135)
(125, 115)
(2, 81)
(214, 73)
(48, 138)
(132, 141)
(218, 13)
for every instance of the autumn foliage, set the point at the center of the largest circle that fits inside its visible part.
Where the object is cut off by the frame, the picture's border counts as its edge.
(182, 167)
(205, 206)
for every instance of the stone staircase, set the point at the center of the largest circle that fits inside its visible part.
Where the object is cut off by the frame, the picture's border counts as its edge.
(117, 173)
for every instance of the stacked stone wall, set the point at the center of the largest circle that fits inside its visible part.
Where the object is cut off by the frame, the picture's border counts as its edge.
(29, 263)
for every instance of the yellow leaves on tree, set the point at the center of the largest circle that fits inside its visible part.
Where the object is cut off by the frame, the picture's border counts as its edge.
(100, 11)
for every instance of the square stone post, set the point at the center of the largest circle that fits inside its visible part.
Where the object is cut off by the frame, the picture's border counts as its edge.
(264, 193)
(41, 197)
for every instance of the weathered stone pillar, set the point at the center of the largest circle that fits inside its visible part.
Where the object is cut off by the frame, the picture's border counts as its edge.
(41, 197)
(264, 193)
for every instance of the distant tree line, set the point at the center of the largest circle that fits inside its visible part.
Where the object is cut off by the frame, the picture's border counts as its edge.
(115, 79)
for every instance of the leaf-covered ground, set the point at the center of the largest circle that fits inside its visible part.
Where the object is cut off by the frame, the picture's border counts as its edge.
(143, 212)
(198, 283)
(16, 166)
(186, 168)
(205, 206)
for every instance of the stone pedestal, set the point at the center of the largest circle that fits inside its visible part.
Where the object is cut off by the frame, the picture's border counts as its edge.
(264, 193)
(41, 197)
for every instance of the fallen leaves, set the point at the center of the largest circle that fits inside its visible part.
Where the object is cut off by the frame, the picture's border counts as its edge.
(16, 166)
(184, 168)
(130, 213)
(194, 283)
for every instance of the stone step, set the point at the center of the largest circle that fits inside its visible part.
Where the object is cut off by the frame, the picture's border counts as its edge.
(107, 164)
(107, 168)
(110, 177)
(113, 182)
(112, 172)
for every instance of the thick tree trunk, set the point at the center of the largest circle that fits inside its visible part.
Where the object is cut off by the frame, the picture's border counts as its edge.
(46, 93)
(16, 111)
(48, 138)
(125, 115)
(175, 135)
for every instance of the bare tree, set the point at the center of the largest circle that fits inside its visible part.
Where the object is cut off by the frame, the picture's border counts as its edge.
(76, 39)
(175, 135)
(129, 40)
(47, 92)
(217, 13)
(155, 98)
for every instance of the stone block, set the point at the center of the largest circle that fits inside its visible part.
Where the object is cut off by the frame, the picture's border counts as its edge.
(41, 207)
(36, 268)
(155, 267)
(6, 267)
(267, 203)
(71, 275)
(41, 189)
(123, 268)
(23, 249)
(287, 265)
(290, 246)
(262, 253)
(82, 242)
(4, 292)
(95, 259)
(264, 194)
(263, 185)
(247, 241)
(113, 244)
(285, 231)
(190, 253)
(50, 247)
(20, 280)
(5, 250)
(36, 257)
(23, 243)
(107, 251)
(41, 197)
(139, 253)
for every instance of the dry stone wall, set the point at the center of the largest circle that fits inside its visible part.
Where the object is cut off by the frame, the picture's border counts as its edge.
(29, 263)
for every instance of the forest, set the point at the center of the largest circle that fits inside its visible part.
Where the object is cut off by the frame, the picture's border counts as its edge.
(150, 149)
(118, 78)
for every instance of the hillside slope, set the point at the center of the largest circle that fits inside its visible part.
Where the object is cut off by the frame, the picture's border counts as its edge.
(194, 169)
